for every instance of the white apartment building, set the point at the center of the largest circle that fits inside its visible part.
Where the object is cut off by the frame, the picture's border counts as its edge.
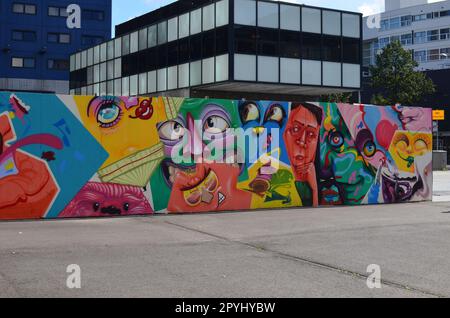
(422, 27)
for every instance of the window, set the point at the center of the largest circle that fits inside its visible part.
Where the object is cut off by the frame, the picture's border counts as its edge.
(419, 17)
(94, 15)
(22, 8)
(57, 12)
(268, 42)
(22, 62)
(152, 36)
(221, 40)
(62, 38)
(432, 35)
(351, 25)
(26, 36)
(445, 13)
(196, 21)
(110, 50)
(195, 47)
(126, 45)
(420, 37)
(394, 23)
(311, 20)
(221, 13)
(268, 69)
(331, 22)
(331, 48)
(183, 30)
(245, 40)
(290, 44)
(208, 44)
(420, 56)
(351, 48)
(91, 40)
(445, 53)
(245, 12)
(134, 42)
(208, 17)
(244, 67)
(383, 42)
(433, 55)
(172, 29)
(289, 17)
(445, 34)
(406, 20)
(311, 47)
(267, 15)
(58, 65)
(406, 39)
(162, 32)
(183, 50)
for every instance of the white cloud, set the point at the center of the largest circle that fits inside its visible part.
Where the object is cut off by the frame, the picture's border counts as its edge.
(374, 7)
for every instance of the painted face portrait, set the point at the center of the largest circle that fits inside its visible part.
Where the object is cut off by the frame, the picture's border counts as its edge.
(407, 146)
(106, 199)
(196, 166)
(345, 176)
(301, 138)
(126, 128)
(262, 118)
(27, 188)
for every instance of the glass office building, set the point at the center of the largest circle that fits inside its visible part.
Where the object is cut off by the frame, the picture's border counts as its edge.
(232, 46)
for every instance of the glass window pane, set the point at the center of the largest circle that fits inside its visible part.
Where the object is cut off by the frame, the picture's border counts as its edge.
(245, 67)
(118, 47)
(96, 54)
(268, 69)
(110, 70)
(222, 13)
(311, 20)
(90, 57)
(162, 32)
(96, 73)
(151, 82)
(290, 17)
(125, 46)
(110, 88)
(125, 86)
(351, 25)
(118, 87)
(208, 17)
(142, 83)
(183, 75)
(290, 71)
(311, 72)
(162, 80)
(245, 12)
(103, 89)
(72, 63)
(268, 15)
(196, 21)
(352, 75)
(331, 22)
(78, 61)
(97, 89)
(331, 74)
(103, 69)
(134, 42)
(103, 49)
(143, 39)
(172, 77)
(208, 70)
(83, 59)
(172, 29)
(222, 68)
(133, 85)
(117, 68)
(110, 53)
(196, 73)
(152, 36)
(184, 25)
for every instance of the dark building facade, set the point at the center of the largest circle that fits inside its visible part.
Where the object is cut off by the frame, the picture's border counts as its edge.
(36, 44)
(226, 48)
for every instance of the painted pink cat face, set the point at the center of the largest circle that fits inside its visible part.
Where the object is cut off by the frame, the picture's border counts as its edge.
(106, 199)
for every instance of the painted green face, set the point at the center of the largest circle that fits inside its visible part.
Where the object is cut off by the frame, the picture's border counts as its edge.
(345, 177)
(199, 131)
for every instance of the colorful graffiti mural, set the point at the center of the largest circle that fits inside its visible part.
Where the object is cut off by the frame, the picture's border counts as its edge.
(91, 156)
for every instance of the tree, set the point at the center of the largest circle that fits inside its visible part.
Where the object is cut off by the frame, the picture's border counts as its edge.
(395, 78)
(337, 98)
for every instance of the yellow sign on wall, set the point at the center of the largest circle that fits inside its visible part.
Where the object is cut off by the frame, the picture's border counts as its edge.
(438, 115)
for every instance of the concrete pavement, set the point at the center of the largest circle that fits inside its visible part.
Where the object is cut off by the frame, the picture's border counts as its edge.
(288, 253)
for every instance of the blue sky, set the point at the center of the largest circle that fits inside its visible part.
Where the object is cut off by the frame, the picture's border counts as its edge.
(124, 10)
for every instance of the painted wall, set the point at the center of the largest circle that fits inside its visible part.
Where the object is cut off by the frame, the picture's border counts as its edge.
(86, 156)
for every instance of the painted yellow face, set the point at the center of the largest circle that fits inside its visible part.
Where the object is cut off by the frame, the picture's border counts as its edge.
(406, 147)
(124, 126)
